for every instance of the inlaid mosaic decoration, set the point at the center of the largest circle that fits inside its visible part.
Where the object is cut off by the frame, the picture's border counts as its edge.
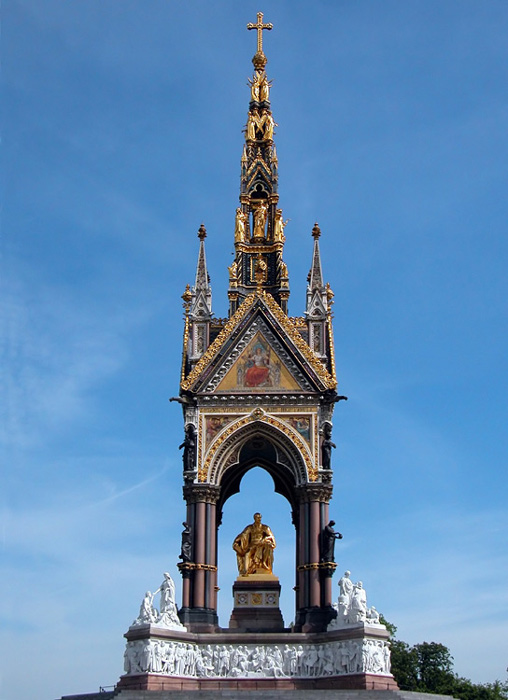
(258, 368)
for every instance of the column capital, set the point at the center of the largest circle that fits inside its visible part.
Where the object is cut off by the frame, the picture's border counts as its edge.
(201, 493)
(314, 492)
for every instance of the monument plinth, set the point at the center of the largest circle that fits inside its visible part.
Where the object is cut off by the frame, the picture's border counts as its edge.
(256, 604)
(256, 591)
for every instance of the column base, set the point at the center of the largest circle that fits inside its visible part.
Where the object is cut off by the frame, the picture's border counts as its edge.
(314, 619)
(203, 620)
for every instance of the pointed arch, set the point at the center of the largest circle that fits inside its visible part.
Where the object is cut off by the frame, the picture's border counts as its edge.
(261, 440)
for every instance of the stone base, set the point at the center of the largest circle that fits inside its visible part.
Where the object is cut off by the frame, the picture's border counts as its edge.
(155, 682)
(256, 604)
(199, 619)
(356, 658)
(261, 694)
(315, 619)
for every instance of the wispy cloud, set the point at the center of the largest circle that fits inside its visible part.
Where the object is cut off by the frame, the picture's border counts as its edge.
(55, 350)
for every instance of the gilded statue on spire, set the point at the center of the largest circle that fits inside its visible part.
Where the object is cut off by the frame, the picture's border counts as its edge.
(260, 87)
(259, 214)
(254, 88)
(264, 88)
(260, 271)
(268, 124)
(279, 226)
(252, 125)
(240, 221)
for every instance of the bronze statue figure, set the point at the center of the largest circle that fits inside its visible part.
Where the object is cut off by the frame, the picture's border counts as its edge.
(186, 552)
(328, 537)
(326, 447)
(189, 448)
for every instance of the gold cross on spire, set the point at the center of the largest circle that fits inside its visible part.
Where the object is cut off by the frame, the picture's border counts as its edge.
(260, 26)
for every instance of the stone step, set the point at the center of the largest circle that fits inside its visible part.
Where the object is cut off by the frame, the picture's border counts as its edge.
(275, 695)
(124, 694)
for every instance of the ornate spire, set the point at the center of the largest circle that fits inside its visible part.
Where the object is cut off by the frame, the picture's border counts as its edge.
(201, 302)
(317, 303)
(259, 224)
(316, 274)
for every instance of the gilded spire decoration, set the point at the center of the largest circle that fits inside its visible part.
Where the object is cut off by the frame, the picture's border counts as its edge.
(259, 60)
(259, 221)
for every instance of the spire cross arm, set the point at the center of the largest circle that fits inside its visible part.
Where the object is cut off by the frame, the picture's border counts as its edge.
(260, 26)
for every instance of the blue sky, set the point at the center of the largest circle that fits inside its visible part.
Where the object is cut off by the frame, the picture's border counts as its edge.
(121, 132)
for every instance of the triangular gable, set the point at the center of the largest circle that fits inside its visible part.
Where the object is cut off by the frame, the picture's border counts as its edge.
(259, 313)
(316, 306)
(259, 368)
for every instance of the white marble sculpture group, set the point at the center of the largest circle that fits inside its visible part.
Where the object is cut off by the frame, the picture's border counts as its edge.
(172, 658)
(352, 606)
(194, 660)
(167, 617)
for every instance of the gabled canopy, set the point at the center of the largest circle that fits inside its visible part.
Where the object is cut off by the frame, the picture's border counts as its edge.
(259, 350)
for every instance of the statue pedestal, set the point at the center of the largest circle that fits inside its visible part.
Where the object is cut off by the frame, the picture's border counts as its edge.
(256, 604)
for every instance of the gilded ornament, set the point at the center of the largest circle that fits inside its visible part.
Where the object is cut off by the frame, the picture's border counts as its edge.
(268, 123)
(293, 436)
(279, 226)
(240, 222)
(316, 365)
(331, 347)
(185, 344)
(233, 270)
(264, 88)
(259, 26)
(259, 215)
(260, 271)
(254, 88)
(219, 340)
(328, 380)
(254, 548)
(252, 125)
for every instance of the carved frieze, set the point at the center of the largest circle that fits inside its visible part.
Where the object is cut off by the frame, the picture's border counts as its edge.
(193, 660)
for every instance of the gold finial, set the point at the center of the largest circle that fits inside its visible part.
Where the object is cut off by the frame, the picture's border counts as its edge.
(202, 232)
(187, 297)
(316, 231)
(260, 272)
(259, 59)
